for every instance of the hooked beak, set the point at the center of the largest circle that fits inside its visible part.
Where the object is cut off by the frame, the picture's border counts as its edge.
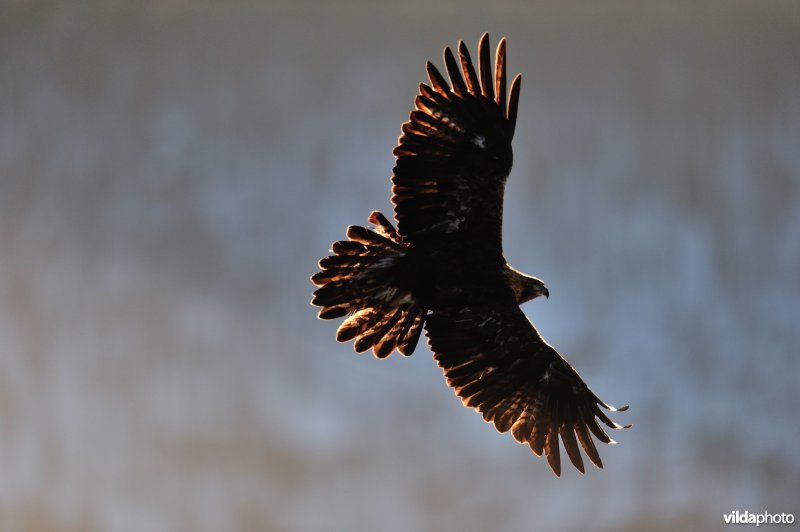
(545, 292)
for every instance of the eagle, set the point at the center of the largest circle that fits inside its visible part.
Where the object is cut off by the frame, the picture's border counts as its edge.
(442, 268)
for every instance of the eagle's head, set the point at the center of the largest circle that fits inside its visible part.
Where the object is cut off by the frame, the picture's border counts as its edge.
(524, 286)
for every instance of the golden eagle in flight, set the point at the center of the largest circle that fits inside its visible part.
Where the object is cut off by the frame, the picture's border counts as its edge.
(443, 268)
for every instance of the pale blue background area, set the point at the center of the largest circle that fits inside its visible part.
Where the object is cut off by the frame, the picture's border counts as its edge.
(170, 173)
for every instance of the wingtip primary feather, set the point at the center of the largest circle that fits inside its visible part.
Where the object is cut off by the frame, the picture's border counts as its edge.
(513, 104)
(500, 75)
(571, 446)
(552, 451)
(487, 83)
(587, 442)
(456, 81)
(437, 80)
(471, 78)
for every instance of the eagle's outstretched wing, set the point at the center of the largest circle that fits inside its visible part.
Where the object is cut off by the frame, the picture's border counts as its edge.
(454, 155)
(499, 365)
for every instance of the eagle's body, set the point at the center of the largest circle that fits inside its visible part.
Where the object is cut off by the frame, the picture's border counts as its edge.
(443, 268)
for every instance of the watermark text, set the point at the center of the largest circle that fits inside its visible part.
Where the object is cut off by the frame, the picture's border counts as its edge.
(738, 517)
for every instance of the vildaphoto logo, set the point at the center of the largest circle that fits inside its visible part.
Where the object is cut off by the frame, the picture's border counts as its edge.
(737, 517)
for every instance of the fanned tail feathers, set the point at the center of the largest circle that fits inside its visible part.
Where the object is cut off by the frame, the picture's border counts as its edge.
(365, 279)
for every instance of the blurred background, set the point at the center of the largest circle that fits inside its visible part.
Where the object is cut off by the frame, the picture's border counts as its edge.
(170, 172)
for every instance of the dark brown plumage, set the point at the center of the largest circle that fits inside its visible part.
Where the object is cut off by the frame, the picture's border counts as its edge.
(444, 269)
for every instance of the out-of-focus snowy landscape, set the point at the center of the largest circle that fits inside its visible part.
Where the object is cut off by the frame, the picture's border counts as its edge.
(170, 172)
